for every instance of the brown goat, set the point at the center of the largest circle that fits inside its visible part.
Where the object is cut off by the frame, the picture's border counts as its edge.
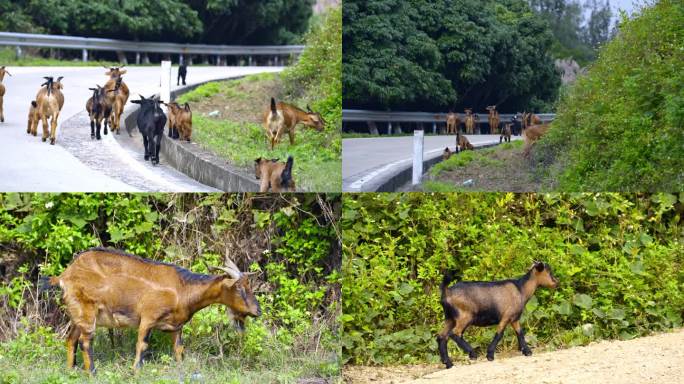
(117, 95)
(180, 121)
(531, 135)
(452, 122)
(33, 117)
(462, 143)
(506, 133)
(113, 289)
(3, 71)
(283, 117)
(446, 154)
(50, 101)
(494, 119)
(274, 175)
(529, 119)
(486, 303)
(470, 121)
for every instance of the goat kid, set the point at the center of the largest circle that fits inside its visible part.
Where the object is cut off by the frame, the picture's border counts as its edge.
(486, 303)
(182, 72)
(180, 121)
(282, 118)
(462, 143)
(151, 121)
(3, 71)
(33, 117)
(99, 111)
(274, 175)
(506, 133)
(112, 289)
(446, 154)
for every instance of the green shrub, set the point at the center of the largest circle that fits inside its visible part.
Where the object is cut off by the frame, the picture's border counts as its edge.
(620, 127)
(618, 258)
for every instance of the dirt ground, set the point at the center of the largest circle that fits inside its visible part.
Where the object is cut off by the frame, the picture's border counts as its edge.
(652, 359)
(502, 170)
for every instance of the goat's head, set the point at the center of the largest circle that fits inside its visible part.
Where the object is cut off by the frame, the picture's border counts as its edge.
(237, 294)
(468, 111)
(314, 119)
(115, 72)
(3, 70)
(491, 108)
(542, 273)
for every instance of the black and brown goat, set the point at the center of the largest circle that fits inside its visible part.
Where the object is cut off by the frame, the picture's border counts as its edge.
(3, 71)
(180, 121)
(486, 303)
(98, 111)
(446, 154)
(112, 289)
(274, 175)
(462, 143)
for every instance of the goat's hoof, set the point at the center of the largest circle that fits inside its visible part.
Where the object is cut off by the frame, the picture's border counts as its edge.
(490, 356)
(449, 364)
(92, 137)
(44, 139)
(472, 355)
(527, 352)
(52, 141)
(147, 157)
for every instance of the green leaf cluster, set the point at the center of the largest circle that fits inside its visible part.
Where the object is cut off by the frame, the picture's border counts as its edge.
(618, 258)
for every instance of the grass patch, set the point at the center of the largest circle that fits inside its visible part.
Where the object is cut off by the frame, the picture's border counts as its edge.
(39, 357)
(456, 160)
(237, 135)
(440, 186)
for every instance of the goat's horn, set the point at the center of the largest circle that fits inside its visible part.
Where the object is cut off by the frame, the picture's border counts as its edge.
(232, 273)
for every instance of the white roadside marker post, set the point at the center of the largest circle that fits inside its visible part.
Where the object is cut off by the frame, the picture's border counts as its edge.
(418, 139)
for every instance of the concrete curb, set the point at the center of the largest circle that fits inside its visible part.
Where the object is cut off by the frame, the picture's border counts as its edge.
(401, 174)
(195, 162)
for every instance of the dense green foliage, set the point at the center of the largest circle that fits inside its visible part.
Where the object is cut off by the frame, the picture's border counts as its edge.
(202, 21)
(618, 259)
(621, 127)
(289, 240)
(434, 55)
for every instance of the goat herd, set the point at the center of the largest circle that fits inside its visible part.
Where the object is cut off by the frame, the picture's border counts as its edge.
(106, 106)
(526, 124)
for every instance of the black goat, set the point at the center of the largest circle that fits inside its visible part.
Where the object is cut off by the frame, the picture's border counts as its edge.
(98, 110)
(486, 303)
(151, 121)
(182, 72)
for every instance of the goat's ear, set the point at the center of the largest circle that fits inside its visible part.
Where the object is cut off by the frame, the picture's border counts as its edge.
(122, 72)
(257, 160)
(539, 266)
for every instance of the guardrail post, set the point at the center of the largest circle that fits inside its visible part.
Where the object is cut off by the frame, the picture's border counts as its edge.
(389, 128)
(84, 55)
(137, 57)
(250, 60)
(276, 61)
(18, 52)
(418, 139)
(165, 91)
(434, 128)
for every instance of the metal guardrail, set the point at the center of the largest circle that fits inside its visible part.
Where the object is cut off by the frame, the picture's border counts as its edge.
(358, 115)
(90, 43)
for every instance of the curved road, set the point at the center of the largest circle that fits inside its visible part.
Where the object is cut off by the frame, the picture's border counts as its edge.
(28, 164)
(367, 159)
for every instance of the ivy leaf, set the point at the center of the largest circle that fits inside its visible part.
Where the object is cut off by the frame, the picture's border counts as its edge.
(582, 300)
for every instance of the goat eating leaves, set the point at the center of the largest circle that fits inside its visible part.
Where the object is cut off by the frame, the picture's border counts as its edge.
(485, 303)
(113, 289)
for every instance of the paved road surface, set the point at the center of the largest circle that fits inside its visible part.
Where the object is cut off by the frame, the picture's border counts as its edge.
(28, 164)
(366, 158)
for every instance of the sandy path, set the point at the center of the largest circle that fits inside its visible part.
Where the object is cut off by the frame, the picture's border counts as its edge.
(653, 359)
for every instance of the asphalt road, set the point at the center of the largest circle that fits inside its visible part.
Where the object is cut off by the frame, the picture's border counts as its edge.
(28, 164)
(364, 159)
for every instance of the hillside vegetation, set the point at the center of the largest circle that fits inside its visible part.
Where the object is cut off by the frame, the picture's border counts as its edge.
(618, 258)
(621, 127)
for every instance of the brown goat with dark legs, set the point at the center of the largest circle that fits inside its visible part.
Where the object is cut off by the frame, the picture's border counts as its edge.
(494, 120)
(452, 122)
(469, 121)
(50, 101)
(462, 143)
(531, 135)
(33, 117)
(446, 154)
(3, 71)
(180, 121)
(274, 175)
(506, 133)
(282, 118)
(113, 289)
(98, 111)
(117, 95)
(486, 303)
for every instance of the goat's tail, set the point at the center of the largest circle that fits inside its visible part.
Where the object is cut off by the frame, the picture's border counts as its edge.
(34, 104)
(286, 176)
(186, 106)
(273, 106)
(47, 283)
